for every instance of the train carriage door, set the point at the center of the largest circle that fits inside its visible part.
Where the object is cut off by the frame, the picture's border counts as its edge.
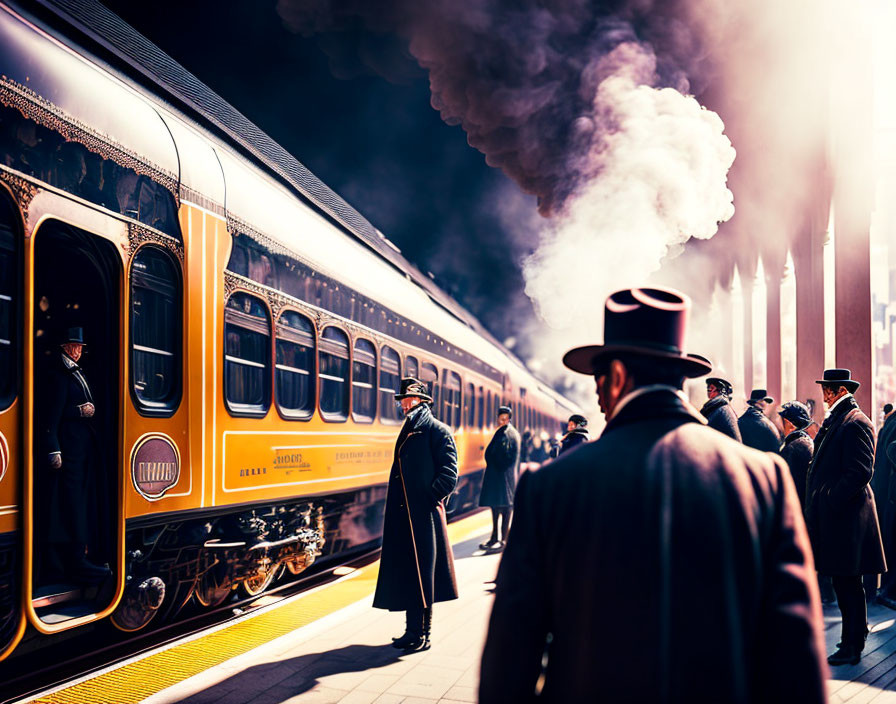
(76, 386)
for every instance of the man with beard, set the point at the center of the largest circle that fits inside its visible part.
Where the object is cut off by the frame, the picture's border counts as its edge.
(798, 446)
(755, 429)
(840, 508)
(629, 555)
(718, 411)
(502, 461)
(416, 562)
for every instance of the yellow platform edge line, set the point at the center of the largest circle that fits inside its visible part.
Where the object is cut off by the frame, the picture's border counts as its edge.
(136, 680)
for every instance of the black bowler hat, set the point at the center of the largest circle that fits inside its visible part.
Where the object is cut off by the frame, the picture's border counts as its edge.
(721, 384)
(797, 413)
(413, 387)
(505, 409)
(839, 377)
(760, 395)
(74, 336)
(643, 321)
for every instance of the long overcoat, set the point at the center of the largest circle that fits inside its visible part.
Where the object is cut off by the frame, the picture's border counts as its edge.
(797, 453)
(502, 461)
(840, 509)
(758, 432)
(661, 550)
(70, 491)
(721, 416)
(417, 564)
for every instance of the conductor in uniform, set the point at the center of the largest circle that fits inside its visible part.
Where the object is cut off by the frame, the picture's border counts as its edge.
(502, 461)
(70, 444)
(717, 410)
(840, 508)
(663, 562)
(416, 563)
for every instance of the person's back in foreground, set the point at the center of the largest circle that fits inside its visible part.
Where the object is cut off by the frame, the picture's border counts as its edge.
(662, 562)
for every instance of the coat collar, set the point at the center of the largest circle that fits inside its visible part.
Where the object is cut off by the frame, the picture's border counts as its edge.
(69, 363)
(840, 409)
(418, 416)
(662, 402)
(714, 404)
(795, 435)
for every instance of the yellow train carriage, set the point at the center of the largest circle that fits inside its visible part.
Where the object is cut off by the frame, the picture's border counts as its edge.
(246, 332)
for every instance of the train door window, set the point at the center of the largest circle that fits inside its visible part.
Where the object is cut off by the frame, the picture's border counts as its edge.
(470, 406)
(156, 326)
(294, 386)
(247, 356)
(390, 368)
(451, 398)
(333, 372)
(429, 375)
(411, 368)
(480, 404)
(364, 381)
(8, 278)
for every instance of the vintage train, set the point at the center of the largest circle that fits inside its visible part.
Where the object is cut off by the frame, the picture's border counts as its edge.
(246, 331)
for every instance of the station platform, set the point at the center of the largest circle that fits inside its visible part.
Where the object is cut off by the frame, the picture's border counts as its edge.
(329, 645)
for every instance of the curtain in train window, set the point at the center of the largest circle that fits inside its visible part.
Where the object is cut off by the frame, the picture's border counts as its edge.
(390, 366)
(155, 331)
(294, 374)
(429, 375)
(247, 355)
(451, 387)
(333, 372)
(364, 382)
(8, 278)
(411, 368)
(470, 406)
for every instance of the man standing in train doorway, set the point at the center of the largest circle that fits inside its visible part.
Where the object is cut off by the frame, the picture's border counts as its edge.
(70, 443)
(663, 539)
(502, 462)
(417, 564)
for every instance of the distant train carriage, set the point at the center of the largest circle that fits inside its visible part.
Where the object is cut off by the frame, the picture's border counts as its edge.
(246, 332)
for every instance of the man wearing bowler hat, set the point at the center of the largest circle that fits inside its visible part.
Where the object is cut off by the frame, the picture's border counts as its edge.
(416, 562)
(840, 509)
(717, 410)
(71, 454)
(663, 539)
(756, 430)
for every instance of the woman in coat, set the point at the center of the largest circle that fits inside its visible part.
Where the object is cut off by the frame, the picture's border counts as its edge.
(502, 460)
(416, 563)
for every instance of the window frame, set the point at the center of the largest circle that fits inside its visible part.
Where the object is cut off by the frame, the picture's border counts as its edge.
(386, 419)
(285, 413)
(16, 300)
(246, 410)
(469, 405)
(169, 407)
(363, 417)
(432, 387)
(326, 415)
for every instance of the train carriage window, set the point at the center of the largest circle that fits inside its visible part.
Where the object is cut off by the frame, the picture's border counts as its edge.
(451, 398)
(156, 325)
(295, 365)
(247, 355)
(333, 372)
(470, 406)
(8, 278)
(411, 368)
(390, 368)
(429, 375)
(480, 403)
(364, 382)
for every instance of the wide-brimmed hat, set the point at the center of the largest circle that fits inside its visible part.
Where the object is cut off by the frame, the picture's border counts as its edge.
(412, 387)
(797, 413)
(839, 377)
(721, 384)
(760, 395)
(73, 336)
(648, 322)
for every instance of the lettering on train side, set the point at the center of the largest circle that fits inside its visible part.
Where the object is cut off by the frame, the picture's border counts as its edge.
(358, 456)
(253, 471)
(155, 465)
(289, 459)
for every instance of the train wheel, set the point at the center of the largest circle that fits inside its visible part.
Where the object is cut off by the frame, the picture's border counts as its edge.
(214, 586)
(260, 578)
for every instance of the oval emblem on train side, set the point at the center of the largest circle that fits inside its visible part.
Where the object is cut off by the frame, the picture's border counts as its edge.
(4, 456)
(155, 465)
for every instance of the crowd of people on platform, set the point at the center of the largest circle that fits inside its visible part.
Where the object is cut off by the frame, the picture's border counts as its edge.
(677, 557)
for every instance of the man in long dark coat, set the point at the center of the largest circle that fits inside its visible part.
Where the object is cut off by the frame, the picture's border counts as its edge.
(417, 564)
(885, 495)
(69, 444)
(798, 445)
(667, 562)
(840, 510)
(502, 461)
(718, 411)
(756, 430)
